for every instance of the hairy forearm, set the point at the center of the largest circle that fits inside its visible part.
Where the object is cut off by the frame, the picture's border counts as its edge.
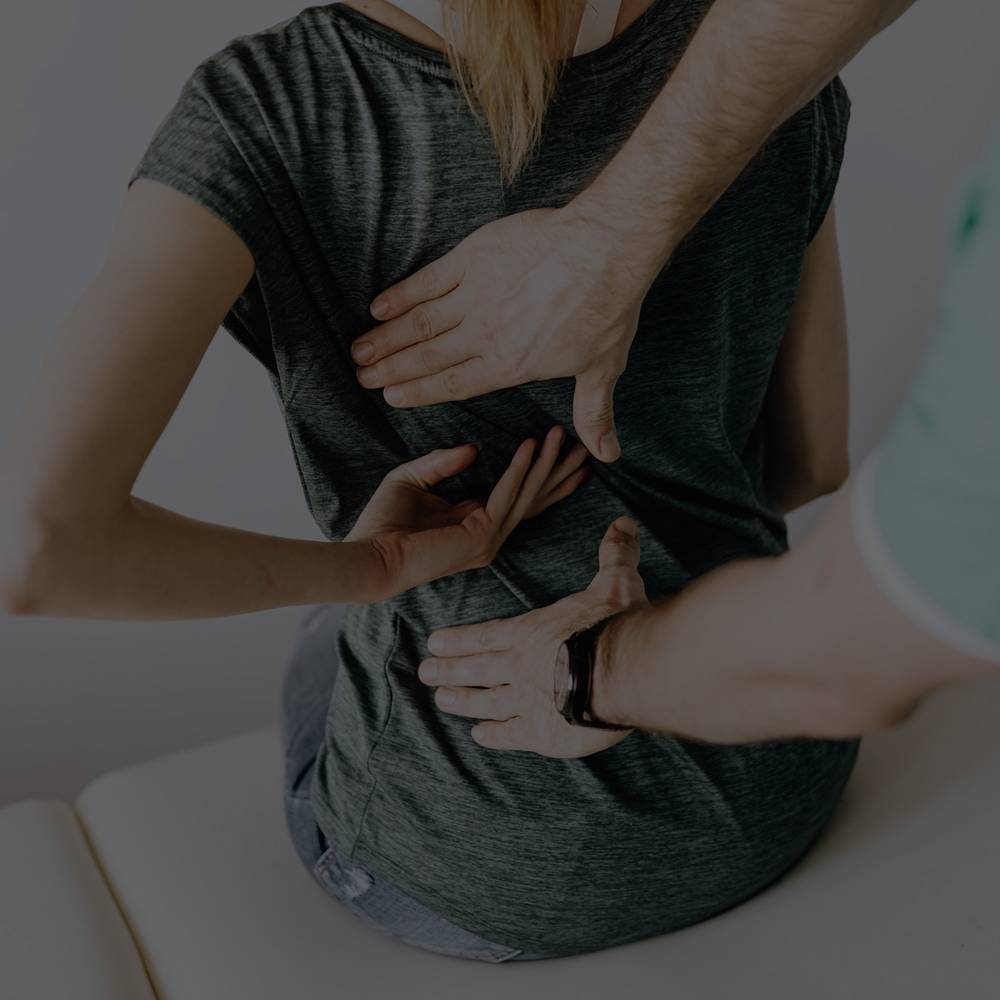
(699, 665)
(146, 562)
(801, 645)
(750, 66)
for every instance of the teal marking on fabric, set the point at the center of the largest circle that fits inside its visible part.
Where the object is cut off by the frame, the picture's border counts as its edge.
(972, 218)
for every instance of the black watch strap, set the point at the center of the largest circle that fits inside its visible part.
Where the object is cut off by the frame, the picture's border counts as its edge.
(581, 648)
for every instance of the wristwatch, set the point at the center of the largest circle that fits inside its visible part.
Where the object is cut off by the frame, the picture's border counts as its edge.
(573, 678)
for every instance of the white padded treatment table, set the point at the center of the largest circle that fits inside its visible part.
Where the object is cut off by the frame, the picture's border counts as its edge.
(175, 879)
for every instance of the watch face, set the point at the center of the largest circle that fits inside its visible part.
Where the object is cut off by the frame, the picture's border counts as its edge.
(560, 680)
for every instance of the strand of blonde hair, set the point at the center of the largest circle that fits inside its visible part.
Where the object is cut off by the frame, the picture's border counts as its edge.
(511, 59)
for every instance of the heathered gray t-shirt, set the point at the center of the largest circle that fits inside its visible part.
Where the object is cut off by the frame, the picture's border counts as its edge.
(345, 157)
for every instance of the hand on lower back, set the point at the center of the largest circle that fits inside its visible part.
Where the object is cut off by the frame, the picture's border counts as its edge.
(501, 671)
(419, 536)
(537, 295)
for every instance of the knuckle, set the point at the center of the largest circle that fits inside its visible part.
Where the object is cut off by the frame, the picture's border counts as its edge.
(453, 383)
(598, 410)
(422, 325)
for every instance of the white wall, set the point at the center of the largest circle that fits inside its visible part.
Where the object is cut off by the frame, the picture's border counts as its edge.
(83, 86)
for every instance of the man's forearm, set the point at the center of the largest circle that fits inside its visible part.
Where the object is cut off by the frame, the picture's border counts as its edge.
(750, 66)
(801, 645)
(696, 665)
(152, 563)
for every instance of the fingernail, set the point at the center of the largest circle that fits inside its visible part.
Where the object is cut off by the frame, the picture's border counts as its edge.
(608, 447)
(428, 673)
(368, 377)
(364, 351)
(445, 697)
(393, 394)
(380, 307)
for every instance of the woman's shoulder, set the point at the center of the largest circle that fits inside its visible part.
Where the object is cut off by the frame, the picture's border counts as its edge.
(274, 61)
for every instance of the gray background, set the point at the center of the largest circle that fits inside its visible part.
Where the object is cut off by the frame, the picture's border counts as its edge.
(82, 87)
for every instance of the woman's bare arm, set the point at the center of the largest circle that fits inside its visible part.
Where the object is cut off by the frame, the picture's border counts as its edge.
(74, 539)
(807, 403)
(76, 542)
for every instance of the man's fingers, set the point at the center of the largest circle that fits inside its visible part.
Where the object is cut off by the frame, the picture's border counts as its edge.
(620, 545)
(477, 670)
(420, 325)
(618, 579)
(461, 381)
(430, 282)
(477, 703)
(481, 637)
(594, 414)
(419, 361)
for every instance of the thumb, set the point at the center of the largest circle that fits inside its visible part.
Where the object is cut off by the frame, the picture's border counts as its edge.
(436, 465)
(594, 414)
(620, 545)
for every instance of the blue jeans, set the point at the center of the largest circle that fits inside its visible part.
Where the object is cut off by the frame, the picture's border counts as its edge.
(305, 696)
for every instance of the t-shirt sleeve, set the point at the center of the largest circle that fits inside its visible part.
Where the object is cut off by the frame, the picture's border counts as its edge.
(202, 149)
(832, 114)
(927, 504)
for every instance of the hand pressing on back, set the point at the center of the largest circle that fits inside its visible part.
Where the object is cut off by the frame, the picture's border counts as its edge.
(542, 294)
(418, 536)
(501, 671)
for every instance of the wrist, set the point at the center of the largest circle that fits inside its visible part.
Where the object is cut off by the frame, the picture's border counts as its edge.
(378, 570)
(609, 699)
(624, 246)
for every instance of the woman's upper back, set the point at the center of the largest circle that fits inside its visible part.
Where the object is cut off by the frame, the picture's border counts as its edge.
(345, 157)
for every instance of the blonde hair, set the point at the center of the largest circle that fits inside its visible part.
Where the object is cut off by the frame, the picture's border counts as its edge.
(511, 59)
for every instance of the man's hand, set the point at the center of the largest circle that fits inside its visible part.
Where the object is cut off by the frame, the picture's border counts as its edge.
(502, 670)
(537, 295)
